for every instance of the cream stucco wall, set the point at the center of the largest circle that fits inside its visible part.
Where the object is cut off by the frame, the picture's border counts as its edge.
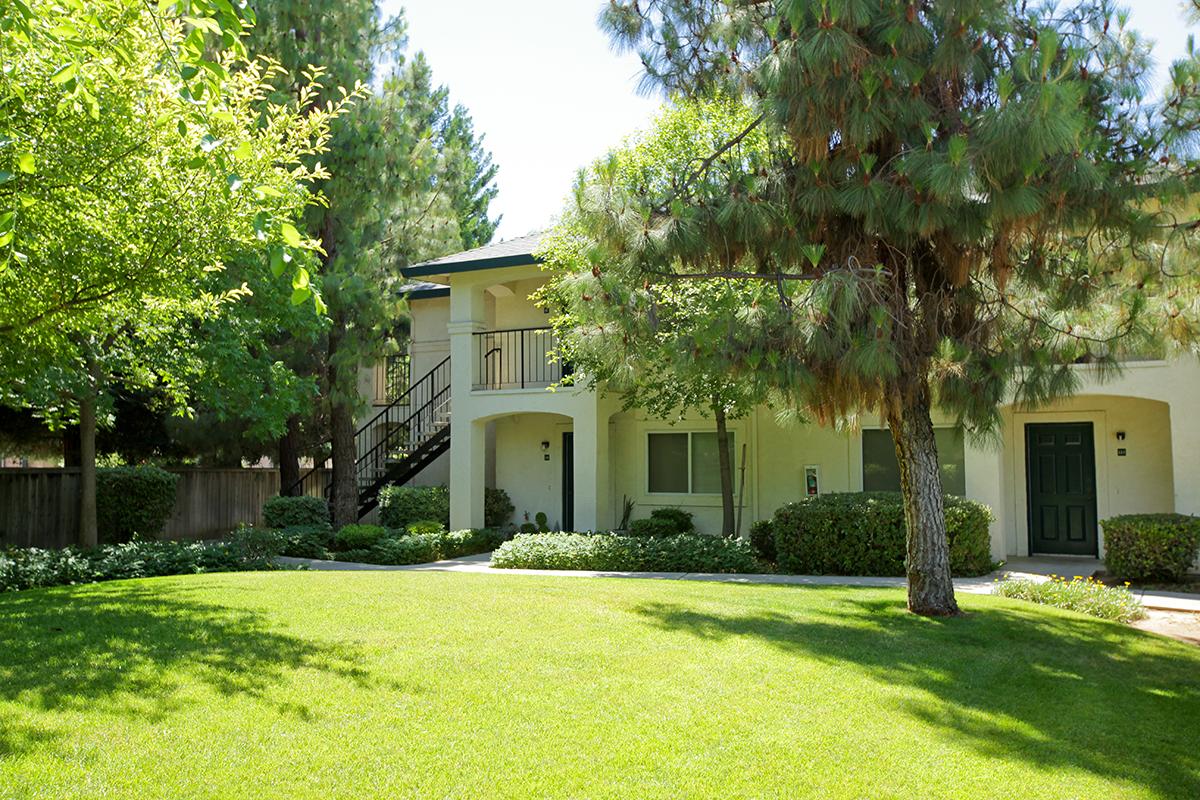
(531, 476)
(497, 434)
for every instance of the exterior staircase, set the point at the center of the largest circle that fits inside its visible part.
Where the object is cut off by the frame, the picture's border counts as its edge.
(397, 444)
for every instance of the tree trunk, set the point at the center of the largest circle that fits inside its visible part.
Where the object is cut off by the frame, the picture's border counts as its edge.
(88, 532)
(930, 587)
(726, 469)
(288, 458)
(341, 434)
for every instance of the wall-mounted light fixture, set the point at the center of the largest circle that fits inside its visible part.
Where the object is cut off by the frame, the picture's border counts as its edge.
(1120, 436)
(545, 447)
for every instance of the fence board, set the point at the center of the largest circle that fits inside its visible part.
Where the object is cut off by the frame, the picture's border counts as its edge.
(40, 507)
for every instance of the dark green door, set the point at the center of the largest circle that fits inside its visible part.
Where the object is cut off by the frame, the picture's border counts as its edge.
(1061, 461)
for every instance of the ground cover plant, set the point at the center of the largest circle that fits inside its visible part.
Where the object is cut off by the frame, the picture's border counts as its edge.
(610, 552)
(349, 685)
(28, 568)
(1086, 595)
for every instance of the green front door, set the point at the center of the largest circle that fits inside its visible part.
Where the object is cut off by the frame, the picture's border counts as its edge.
(1060, 459)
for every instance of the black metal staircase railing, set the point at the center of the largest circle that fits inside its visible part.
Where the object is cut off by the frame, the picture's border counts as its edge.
(399, 441)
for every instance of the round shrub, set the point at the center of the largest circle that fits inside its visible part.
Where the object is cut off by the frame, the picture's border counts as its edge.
(652, 527)
(677, 517)
(306, 541)
(133, 500)
(864, 534)
(1151, 547)
(286, 512)
(359, 537)
(497, 508)
(425, 526)
(762, 539)
(401, 505)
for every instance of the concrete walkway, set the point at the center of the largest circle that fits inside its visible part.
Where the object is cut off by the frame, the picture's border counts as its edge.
(1034, 569)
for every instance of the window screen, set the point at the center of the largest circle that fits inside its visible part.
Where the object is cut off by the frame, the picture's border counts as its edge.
(881, 473)
(668, 462)
(706, 463)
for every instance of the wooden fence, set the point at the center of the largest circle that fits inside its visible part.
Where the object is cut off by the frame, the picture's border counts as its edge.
(40, 507)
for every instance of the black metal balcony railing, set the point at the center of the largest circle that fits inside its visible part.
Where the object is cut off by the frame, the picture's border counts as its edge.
(520, 358)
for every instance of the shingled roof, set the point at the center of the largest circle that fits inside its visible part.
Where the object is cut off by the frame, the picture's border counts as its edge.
(509, 253)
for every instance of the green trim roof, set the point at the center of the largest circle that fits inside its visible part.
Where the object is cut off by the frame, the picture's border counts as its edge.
(511, 253)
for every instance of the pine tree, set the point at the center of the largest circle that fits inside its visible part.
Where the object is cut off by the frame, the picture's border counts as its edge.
(410, 182)
(942, 203)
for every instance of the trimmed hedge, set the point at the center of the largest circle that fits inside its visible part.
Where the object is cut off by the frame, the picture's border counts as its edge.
(359, 537)
(863, 534)
(401, 505)
(133, 501)
(611, 552)
(666, 521)
(287, 512)
(1151, 547)
(303, 541)
(34, 567)
(762, 539)
(420, 548)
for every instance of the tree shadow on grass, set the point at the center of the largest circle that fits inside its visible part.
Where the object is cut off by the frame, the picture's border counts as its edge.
(1052, 690)
(125, 650)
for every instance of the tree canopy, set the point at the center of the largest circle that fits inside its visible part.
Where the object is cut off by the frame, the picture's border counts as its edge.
(948, 204)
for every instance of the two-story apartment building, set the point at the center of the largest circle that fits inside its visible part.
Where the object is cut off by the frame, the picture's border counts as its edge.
(482, 378)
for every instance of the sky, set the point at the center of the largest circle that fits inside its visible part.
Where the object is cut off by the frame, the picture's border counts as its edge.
(550, 95)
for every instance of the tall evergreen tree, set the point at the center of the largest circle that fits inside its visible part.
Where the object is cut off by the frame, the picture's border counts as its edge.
(959, 201)
(410, 182)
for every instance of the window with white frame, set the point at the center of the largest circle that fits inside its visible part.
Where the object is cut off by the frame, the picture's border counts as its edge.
(685, 462)
(881, 472)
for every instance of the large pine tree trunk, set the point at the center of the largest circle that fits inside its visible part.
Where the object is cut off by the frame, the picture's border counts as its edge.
(289, 456)
(930, 587)
(88, 532)
(726, 469)
(341, 434)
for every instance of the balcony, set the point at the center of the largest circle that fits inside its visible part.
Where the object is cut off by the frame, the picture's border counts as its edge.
(520, 358)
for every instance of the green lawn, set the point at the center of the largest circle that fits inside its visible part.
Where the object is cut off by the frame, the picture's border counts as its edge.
(339, 685)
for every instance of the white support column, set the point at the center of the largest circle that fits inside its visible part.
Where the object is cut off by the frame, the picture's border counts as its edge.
(468, 450)
(1185, 455)
(984, 465)
(593, 501)
(467, 458)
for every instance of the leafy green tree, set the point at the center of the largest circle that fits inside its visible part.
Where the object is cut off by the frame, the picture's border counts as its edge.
(138, 155)
(956, 203)
(410, 182)
(662, 345)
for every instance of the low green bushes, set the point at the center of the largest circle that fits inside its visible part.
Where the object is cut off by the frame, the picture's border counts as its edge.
(497, 508)
(287, 512)
(133, 501)
(762, 539)
(401, 505)
(359, 537)
(33, 567)
(864, 534)
(663, 522)
(1087, 596)
(1151, 547)
(418, 548)
(610, 552)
